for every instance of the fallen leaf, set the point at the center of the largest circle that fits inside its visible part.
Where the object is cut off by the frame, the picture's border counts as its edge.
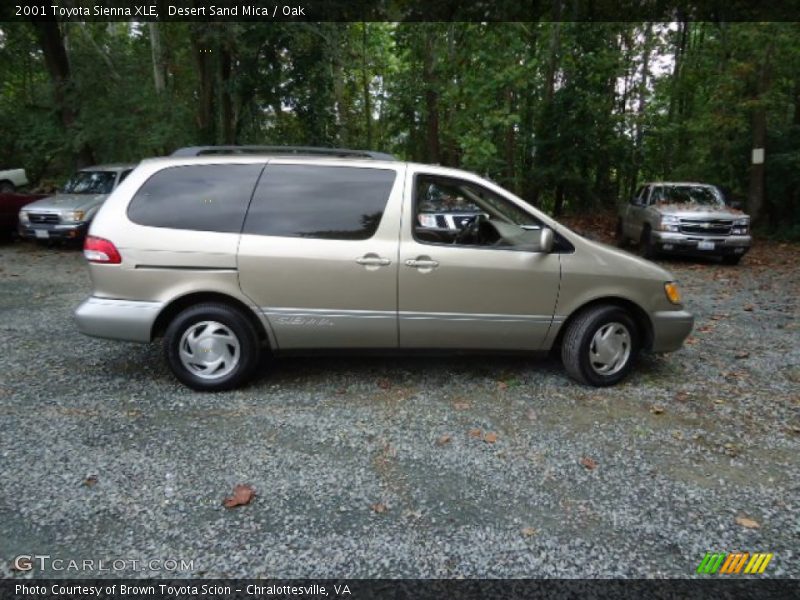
(384, 384)
(379, 507)
(445, 439)
(502, 385)
(589, 463)
(242, 494)
(747, 522)
(743, 354)
(704, 329)
(532, 415)
(718, 317)
(657, 409)
(89, 481)
(682, 396)
(749, 307)
(461, 405)
(490, 438)
(528, 531)
(678, 435)
(690, 341)
(476, 433)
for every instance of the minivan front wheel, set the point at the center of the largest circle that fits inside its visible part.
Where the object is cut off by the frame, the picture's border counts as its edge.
(600, 346)
(211, 347)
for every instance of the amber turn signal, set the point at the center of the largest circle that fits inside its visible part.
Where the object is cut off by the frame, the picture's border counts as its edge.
(673, 293)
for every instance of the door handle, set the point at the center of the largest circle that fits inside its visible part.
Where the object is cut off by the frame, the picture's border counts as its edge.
(372, 260)
(422, 263)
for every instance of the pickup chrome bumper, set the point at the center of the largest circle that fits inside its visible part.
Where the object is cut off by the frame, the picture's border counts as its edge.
(684, 242)
(128, 320)
(670, 329)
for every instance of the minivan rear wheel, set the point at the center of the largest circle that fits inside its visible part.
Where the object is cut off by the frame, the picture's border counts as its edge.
(212, 347)
(600, 346)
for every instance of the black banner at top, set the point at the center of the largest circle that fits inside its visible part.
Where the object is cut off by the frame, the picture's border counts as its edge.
(400, 10)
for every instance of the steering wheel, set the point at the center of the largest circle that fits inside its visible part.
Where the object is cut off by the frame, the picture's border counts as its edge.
(473, 230)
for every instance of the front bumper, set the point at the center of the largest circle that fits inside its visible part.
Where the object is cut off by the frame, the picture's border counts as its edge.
(682, 243)
(62, 231)
(670, 329)
(129, 320)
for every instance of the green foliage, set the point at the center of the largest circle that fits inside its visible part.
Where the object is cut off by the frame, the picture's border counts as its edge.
(571, 116)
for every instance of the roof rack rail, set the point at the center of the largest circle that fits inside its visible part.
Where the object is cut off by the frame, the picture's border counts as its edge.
(302, 150)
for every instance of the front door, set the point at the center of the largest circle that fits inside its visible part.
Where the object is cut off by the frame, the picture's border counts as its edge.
(318, 254)
(485, 285)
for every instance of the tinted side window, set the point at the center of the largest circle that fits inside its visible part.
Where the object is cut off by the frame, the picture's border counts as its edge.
(197, 197)
(338, 203)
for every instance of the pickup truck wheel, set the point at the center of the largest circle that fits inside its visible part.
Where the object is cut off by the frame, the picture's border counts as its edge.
(620, 236)
(212, 347)
(600, 346)
(6, 187)
(646, 244)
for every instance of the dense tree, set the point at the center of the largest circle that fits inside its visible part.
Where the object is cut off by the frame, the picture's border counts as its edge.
(570, 115)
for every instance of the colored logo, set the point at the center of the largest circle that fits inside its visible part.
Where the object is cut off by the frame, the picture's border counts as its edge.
(734, 563)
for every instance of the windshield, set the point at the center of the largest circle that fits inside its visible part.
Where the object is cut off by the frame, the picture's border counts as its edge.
(90, 182)
(688, 194)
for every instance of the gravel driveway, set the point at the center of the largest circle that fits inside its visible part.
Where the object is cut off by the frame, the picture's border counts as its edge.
(413, 467)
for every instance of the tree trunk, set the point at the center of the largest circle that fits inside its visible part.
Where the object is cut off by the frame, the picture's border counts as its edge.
(757, 200)
(640, 111)
(51, 41)
(157, 54)
(431, 98)
(365, 86)
(226, 100)
(201, 47)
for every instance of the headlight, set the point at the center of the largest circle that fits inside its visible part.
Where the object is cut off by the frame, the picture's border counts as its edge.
(740, 226)
(23, 217)
(672, 291)
(73, 215)
(670, 223)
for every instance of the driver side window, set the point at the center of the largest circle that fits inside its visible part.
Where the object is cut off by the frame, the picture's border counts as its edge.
(456, 212)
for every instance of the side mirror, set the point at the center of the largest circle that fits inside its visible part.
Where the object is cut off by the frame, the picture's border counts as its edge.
(546, 239)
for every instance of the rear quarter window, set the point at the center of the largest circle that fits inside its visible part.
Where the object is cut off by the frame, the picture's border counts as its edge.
(196, 197)
(338, 203)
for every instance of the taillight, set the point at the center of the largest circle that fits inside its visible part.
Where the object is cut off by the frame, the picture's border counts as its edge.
(98, 250)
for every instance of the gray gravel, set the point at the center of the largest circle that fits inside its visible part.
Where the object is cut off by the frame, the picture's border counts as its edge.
(688, 444)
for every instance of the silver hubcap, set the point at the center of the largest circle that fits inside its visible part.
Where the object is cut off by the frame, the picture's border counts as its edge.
(610, 349)
(209, 350)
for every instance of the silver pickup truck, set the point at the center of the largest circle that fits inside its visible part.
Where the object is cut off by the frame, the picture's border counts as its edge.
(684, 218)
(67, 214)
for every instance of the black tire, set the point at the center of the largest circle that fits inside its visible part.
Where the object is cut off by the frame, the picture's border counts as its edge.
(732, 259)
(248, 354)
(577, 344)
(620, 236)
(6, 187)
(646, 244)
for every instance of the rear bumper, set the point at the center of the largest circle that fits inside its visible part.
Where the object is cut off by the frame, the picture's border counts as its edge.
(670, 329)
(74, 231)
(128, 320)
(681, 243)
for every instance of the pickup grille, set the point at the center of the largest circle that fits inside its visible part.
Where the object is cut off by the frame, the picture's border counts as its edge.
(706, 227)
(43, 218)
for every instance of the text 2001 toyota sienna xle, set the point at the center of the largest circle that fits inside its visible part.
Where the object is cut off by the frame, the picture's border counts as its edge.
(232, 256)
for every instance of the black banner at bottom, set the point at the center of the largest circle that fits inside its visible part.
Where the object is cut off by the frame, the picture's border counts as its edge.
(393, 589)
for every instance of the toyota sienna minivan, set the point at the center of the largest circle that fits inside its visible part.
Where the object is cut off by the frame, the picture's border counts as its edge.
(231, 254)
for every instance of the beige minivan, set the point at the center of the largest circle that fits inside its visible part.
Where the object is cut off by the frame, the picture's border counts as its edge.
(235, 253)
